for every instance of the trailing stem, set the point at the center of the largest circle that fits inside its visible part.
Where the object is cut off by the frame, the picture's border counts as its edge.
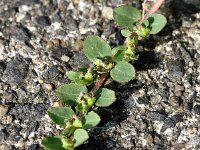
(99, 83)
(153, 9)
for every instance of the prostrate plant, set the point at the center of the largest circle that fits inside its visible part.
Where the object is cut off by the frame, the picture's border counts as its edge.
(77, 117)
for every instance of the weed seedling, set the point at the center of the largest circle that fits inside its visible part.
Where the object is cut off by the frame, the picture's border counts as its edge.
(76, 116)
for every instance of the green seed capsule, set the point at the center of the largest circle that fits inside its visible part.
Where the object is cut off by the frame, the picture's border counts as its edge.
(144, 32)
(97, 62)
(77, 123)
(88, 76)
(68, 144)
(91, 101)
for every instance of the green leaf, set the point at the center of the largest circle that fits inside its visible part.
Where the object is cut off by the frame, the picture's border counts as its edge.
(95, 47)
(83, 69)
(80, 135)
(60, 115)
(145, 23)
(123, 72)
(74, 76)
(156, 23)
(118, 53)
(105, 97)
(68, 93)
(126, 15)
(125, 33)
(91, 120)
(53, 143)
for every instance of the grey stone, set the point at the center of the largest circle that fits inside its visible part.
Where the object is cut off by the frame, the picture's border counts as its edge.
(158, 147)
(171, 122)
(43, 21)
(16, 71)
(72, 24)
(175, 69)
(156, 116)
(20, 33)
(143, 100)
(175, 101)
(8, 13)
(2, 68)
(3, 135)
(3, 110)
(196, 109)
(33, 147)
(23, 112)
(51, 73)
(57, 53)
(168, 123)
(27, 2)
(78, 60)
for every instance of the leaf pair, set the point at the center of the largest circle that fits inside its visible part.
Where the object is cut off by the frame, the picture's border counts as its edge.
(95, 47)
(128, 16)
(60, 143)
(69, 93)
(61, 115)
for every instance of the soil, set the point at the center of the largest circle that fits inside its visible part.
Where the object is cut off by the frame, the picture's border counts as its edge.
(41, 40)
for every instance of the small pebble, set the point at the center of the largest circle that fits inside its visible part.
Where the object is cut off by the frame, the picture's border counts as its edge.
(57, 104)
(43, 21)
(78, 45)
(197, 109)
(48, 86)
(3, 110)
(107, 13)
(9, 119)
(20, 143)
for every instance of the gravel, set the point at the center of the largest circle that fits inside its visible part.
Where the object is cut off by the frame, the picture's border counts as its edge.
(16, 71)
(40, 41)
(43, 21)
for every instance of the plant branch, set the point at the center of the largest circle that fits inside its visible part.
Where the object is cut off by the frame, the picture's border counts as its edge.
(155, 7)
(99, 83)
(143, 9)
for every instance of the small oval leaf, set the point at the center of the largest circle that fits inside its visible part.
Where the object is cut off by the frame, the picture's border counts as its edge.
(105, 97)
(125, 33)
(123, 72)
(156, 23)
(126, 15)
(91, 120)
(95, 47)
(53, 143)
(68, 93)
(118, 53)
(74, 76)
(60, 115)
(80, 135)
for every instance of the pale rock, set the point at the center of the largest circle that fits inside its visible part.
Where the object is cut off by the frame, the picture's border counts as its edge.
(107, 13)
(65, 58)
(3, 110)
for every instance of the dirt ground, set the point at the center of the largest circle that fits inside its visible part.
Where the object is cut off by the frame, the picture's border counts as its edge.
(41, 40)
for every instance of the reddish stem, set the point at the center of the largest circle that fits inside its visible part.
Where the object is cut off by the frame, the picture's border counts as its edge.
(99, 83)
(153, 9)
(143, 9)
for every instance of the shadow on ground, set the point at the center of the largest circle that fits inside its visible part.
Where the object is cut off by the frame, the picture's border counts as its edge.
(147, 60)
